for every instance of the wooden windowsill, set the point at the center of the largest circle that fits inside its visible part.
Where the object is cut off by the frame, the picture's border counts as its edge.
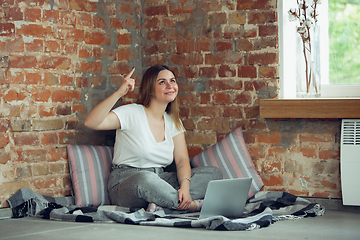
(310, 108)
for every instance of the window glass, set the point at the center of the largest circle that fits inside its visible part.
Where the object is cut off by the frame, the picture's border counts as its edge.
(344, 41)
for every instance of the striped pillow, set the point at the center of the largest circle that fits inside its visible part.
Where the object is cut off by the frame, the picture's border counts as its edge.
(231, 156)
(89, 170)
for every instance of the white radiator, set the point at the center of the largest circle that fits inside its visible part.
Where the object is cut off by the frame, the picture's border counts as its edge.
(350, 161)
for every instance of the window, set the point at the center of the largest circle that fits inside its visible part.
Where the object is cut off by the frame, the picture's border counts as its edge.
(340, 70)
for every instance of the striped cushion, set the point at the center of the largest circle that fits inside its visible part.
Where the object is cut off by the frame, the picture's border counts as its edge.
(89, 170)
(231, 156)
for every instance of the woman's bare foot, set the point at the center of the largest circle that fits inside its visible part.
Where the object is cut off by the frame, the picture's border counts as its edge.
(196, 205)
(193, 206)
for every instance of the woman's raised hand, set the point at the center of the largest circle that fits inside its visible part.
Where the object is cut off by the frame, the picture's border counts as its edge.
(128, 83)
(100, 117)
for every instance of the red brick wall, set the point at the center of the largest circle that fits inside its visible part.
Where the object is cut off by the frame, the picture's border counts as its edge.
(60, 58)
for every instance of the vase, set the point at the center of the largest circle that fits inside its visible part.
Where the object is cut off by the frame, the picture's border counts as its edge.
(308, 75)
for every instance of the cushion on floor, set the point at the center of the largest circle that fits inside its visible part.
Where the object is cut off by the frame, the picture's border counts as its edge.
(232, 157)
(89, 170)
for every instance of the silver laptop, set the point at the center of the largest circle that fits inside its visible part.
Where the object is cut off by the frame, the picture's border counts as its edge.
(223, 197)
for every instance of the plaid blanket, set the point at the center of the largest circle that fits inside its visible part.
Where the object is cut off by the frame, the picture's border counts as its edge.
(262, 210)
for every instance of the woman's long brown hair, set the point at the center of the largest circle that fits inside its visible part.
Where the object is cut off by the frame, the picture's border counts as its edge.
(147, 89)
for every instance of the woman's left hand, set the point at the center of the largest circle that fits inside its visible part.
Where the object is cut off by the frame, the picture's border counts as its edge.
(184, 199)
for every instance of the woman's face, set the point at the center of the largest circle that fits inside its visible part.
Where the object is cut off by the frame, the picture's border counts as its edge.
(166, 88)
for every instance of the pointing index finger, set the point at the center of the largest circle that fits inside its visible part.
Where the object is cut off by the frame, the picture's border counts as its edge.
(130, 73)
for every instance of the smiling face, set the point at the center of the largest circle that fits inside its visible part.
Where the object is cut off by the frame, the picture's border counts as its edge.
(166, 88)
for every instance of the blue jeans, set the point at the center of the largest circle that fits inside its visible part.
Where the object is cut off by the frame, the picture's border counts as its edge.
(136, 187)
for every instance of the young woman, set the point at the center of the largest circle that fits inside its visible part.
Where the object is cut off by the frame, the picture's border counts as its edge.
(149, 136)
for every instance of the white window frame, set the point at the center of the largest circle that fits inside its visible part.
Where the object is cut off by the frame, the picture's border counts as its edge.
(287, 66)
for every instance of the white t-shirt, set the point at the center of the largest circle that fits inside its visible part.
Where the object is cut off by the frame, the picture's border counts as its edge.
(135, 144)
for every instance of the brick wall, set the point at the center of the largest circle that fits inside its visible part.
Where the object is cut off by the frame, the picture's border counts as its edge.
(60, 58)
